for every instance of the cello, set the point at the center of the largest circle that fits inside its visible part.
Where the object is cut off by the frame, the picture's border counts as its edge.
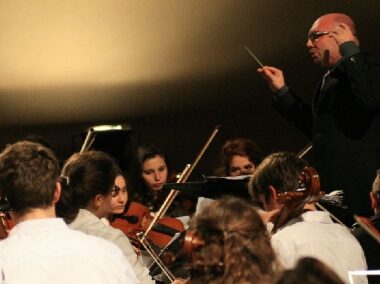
(294, 201)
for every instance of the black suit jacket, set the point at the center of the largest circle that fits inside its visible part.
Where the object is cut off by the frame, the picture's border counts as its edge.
(344, 124)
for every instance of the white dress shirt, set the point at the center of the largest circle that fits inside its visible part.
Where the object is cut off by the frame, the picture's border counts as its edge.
(43, 251)
(314, 234)
(88, 223)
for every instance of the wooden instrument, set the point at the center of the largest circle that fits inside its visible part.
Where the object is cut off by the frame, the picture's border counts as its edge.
(294, 201)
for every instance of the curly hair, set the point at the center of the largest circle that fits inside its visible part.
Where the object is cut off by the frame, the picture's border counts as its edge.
(237, 147)
(236, 246)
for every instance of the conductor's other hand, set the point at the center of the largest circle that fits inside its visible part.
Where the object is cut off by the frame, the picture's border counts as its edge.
(273, 76)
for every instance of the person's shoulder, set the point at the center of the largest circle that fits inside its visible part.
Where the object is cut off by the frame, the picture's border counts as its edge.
(92, 241)
(92, 225)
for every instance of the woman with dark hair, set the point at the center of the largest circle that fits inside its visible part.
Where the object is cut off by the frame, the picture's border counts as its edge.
(235, 245)
(151, 174)
(93, 191)
(239, 156)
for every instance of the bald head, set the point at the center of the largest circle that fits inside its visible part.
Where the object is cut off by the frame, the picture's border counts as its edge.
(338, 18)
(333, 30)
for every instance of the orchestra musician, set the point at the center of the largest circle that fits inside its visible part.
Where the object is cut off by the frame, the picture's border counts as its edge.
(238, 156)
(369, 244)
(41, 248)
(312, 233)
(229, 244)
(119, 197)
(344, 120)
(152, 172)
(88, 196)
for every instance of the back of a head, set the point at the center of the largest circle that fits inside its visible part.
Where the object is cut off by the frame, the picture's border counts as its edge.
(28, 175)
(235, 236)
(88, 174)
(309, 271)
(280, 170)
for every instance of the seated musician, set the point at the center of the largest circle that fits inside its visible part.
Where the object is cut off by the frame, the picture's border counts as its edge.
(119, 198)
(369, 244)
(41, 248)
(312, 233)
(89, 196)
(152, 172)
(238, 156)
(230, 244)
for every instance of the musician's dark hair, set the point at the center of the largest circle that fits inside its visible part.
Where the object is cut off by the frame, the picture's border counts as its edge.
(280, 170)
(309, 271)
(144, 152)
(87, 174)
(237, 246)
(237, 147)
(28, 175)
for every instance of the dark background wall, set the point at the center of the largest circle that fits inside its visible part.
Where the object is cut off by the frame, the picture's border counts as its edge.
(172, 70)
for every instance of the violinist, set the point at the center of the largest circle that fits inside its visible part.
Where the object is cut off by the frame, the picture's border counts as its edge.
(41, 248)
(88, 195)
(238, 156)
(312, 233)
(152, 172)
(119, 197)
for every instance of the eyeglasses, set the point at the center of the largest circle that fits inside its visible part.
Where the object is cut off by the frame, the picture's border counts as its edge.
(314, 36)
(115, 191)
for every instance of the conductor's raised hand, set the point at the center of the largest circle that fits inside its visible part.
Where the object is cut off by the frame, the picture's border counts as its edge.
(342, 33)
(273, 76)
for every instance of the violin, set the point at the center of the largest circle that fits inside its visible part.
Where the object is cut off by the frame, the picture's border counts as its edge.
(138, 218)
(294, 201)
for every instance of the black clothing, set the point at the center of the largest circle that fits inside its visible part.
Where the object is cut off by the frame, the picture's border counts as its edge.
(344, 124)
(371, 247)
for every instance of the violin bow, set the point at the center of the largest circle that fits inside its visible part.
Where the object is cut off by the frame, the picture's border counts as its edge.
(184, 176)
(368, 227)
(169, 199)
(89, 140)
(301, 154)
(305, 150)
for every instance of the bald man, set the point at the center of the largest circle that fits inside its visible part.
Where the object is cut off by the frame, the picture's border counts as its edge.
(344, 119)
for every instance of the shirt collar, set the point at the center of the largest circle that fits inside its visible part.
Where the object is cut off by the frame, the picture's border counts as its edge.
(38, 225)
(317, 216)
